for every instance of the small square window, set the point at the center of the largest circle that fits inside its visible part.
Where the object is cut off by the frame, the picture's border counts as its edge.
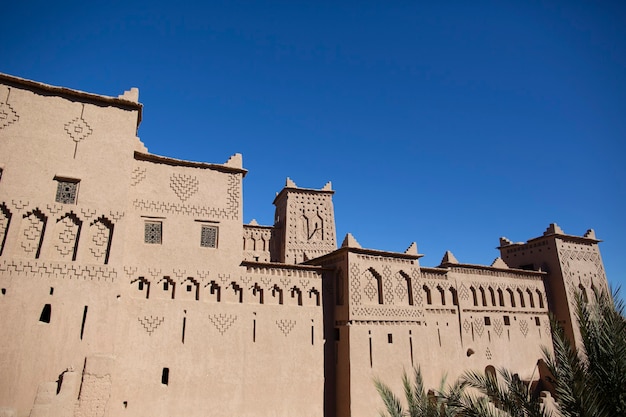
(188, 288)
(153, 232)
(166, 286)
(487, 321)
(66, 191)
(208, 236)
(140, 285)
(537, 321)
(389, 338)
(507, 321)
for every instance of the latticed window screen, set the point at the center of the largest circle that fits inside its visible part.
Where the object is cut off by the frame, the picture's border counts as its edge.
(208, 237)
(66, 192)
(153, 231)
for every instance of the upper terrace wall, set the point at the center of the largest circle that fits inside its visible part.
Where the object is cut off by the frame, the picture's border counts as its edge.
(185, 215)
(66, 158)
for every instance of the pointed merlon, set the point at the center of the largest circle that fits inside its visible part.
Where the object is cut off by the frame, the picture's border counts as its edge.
(289, 183)
(449, 258)
(328, 186)
(591, 234)
(253, 222)
(130, 95)
(499, 263)
(412, 249)
(505, 242)
(553, 229)
(350, 242)
(235, 161)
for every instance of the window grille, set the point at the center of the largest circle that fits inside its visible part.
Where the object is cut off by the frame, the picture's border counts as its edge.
(153, 232)
(208, 237)
(66, 192)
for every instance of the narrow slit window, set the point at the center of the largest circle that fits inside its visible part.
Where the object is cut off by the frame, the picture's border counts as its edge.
(46, 312)
(165, 376)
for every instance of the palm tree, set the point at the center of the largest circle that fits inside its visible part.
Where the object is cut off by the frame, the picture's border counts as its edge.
(506, 396)
(419, 402)
(592, 381)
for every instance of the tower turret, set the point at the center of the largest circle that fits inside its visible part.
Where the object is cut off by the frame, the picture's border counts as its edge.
(304, 223)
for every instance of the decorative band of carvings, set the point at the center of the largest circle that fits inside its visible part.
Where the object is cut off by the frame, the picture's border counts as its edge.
(533, 312)
(386, 259)
(187, 209)
(499, 273)
(387, 312)
(377, 322)
(261, 270)
(59, 270)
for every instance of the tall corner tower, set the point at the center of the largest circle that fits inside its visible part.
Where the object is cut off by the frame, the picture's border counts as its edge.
(304, 224)
(572, 263)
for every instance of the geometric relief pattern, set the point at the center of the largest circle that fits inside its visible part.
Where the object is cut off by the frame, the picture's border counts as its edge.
(355, 284)
(233, 197)
(466, 326)
(150, 323)
(488, 354)
(222, 322)
(184, 186)
(370, 289)
(394, 313)
(388, 285)
(186, 209)
(29, 268)
(479, 326)
(523, 327)
(69, 229)
(7, 115)
(34, 224)
(463, 292)
(401, 287)
(101, 230)
(137, 175)
(497, 327)
(286, 326)
(78, 129)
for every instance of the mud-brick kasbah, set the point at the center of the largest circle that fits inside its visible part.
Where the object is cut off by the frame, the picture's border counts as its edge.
(131, 287)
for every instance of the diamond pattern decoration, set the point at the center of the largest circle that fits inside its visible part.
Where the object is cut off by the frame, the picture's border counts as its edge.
(78, 129)
(370, 290)
(8, 116)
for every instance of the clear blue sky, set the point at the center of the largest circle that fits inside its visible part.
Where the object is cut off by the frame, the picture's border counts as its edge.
(445, 123)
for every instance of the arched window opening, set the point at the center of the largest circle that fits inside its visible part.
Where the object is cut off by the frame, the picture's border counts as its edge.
(483, 296)
(429, 299)
(540, 298)
(500, 297)
(521, 298)
(442, 293)
(531, 299)
(474, 297)
(492, 294)
(455, 296)
(511, 296)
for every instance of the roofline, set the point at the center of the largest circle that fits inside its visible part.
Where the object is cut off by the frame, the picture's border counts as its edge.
(451, 266)
(280, 265)
(148, 157)
(46, 89)
(285, 189)
(362, 251)
(260, 226)
(559, 235)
